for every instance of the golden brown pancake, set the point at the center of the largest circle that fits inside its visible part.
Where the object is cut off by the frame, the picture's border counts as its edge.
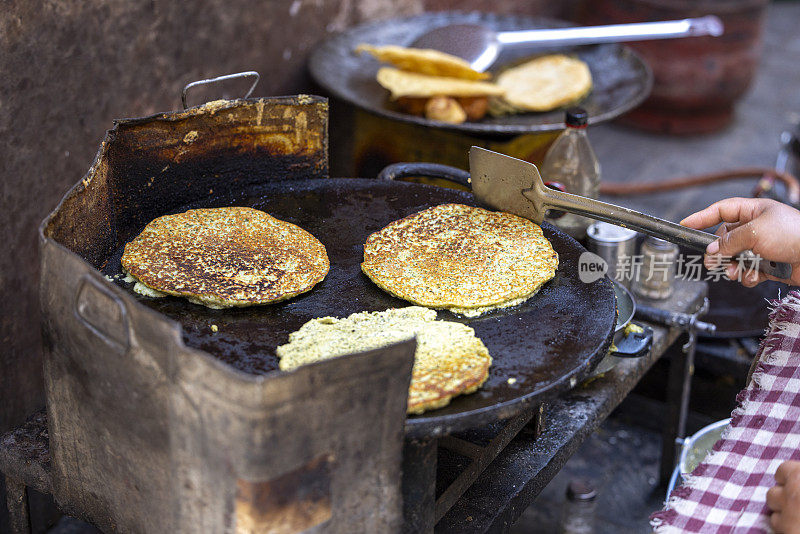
(224, 257)
(450, 360)
(465, 259)
(543, 84)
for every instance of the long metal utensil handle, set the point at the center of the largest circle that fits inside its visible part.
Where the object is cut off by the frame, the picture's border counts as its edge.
(614, 33)
(653, 226)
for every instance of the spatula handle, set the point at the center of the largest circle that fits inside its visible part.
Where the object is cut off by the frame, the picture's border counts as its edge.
(614, 33)
(654, 226)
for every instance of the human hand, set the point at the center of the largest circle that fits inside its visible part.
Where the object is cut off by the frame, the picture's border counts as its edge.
(784, 499)
(767, 227)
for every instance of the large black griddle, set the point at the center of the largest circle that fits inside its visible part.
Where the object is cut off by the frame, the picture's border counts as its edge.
(621, 80)
(547, 344)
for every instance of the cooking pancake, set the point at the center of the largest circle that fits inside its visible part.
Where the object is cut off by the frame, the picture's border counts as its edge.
(424, 61)
(450, 360)
(543, 84)
(225, 257)
(461, 258)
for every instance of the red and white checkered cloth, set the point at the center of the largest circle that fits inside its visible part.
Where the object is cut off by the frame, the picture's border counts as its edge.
(727, 492)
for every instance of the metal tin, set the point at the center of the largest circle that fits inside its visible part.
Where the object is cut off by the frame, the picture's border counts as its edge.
(657, 273)
(616, 245)
(695, 447)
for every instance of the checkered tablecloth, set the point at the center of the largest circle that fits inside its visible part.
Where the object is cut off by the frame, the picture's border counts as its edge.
(727, 491)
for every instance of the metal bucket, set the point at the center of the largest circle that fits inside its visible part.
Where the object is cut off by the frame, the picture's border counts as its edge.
(148, 434)
(694, 449)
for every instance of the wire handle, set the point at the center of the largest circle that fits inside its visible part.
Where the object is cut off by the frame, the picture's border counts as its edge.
(246, 74)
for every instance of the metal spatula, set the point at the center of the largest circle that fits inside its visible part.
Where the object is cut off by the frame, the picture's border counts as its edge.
(515, 186)
(480, 45)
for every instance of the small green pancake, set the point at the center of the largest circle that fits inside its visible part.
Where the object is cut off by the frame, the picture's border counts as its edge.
(450, 360)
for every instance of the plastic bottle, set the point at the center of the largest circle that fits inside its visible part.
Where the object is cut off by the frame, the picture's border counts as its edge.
(571, 162)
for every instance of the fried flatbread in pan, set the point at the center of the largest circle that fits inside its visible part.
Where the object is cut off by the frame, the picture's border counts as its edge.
(450, 360)
(225, 257)
(461, 258)
(543, 84)
(424, 61)
(411, 84)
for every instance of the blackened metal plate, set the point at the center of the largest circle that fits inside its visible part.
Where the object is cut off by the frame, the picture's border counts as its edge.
(545, 345)
(621, 80)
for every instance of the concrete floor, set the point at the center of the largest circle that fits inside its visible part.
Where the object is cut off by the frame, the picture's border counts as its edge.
(622, 462)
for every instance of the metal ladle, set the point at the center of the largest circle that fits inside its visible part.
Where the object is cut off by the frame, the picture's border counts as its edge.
(481, 46)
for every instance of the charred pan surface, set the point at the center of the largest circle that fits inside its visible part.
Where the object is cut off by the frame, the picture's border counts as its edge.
(151, 166)
(225, 257)
(461, 258)
(542, 344)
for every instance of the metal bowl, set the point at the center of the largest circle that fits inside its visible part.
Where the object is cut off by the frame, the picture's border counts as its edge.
(621, 80)
(694, 449)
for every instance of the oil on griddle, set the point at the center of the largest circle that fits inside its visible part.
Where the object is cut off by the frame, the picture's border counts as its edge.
(538, 343)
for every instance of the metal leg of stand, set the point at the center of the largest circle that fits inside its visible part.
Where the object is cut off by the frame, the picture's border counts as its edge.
(679, 386)
(17, 502)
(419, 486)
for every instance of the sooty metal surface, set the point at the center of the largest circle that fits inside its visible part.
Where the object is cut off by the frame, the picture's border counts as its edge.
(545, 343)
(621, 80)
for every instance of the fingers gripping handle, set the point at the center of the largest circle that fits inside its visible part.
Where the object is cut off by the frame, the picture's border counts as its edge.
(651, 225)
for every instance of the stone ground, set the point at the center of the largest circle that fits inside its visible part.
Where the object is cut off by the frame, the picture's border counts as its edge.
(621, 460)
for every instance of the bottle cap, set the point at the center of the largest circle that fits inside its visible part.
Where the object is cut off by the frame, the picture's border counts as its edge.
(576, 117)
(581, 490)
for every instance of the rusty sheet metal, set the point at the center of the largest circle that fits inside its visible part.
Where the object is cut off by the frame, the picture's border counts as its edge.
(544, 345)
(292, 502)
(150, 435)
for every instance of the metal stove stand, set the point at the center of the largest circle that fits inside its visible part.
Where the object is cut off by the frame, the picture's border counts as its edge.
(476, 481)
(486, 478)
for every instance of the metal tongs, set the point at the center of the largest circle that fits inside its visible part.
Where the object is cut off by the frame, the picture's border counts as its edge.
(515, 186)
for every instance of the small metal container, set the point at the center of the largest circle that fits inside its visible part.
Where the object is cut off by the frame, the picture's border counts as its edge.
(657, 273)
(694, 450)
(617, 246)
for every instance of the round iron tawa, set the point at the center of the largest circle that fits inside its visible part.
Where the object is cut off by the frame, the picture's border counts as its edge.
(542, 347)
(621, 80)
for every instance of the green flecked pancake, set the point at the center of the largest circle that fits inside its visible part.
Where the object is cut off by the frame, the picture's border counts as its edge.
(461, 258)
(225, 257)
(450, 360)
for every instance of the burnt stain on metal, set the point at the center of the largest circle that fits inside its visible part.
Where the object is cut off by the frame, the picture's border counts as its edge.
(150, 166)
(25, 453)
(293, 502)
